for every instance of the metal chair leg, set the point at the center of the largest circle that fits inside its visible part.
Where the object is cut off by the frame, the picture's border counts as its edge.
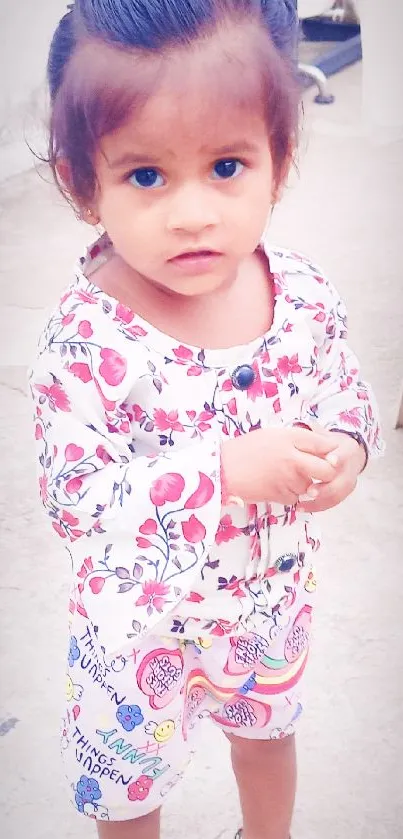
(323, 97)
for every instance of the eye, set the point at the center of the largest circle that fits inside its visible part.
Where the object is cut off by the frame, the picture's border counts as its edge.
(226, 169)
(146, 178)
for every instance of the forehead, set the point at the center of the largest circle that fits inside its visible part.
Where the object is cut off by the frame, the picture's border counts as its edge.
(208, 92)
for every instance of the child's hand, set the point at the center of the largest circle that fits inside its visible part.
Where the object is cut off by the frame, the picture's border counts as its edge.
(277, 464)
(351, 459)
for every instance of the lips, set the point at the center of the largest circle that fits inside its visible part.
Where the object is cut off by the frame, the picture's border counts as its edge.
(188, 256)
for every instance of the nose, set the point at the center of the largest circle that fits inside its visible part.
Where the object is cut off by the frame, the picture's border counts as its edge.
(193, 209)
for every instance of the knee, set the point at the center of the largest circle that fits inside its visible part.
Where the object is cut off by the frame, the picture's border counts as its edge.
(247, 751)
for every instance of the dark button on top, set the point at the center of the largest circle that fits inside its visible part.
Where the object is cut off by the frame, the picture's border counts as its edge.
(243, 377)
(286, 562)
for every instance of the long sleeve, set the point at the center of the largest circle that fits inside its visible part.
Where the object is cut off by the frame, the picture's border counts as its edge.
(138, 528)
(342, 401)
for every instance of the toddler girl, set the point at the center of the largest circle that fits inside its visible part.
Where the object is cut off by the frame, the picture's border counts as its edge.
(195, 403)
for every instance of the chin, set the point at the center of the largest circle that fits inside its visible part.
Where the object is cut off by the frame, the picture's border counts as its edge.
(197, 286)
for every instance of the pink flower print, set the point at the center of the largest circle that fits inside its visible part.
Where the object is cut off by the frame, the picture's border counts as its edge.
(38, 432)
(168, 487)
(351, 417)
(227, 531)
(167, 421)
(138, 413)
(103, 455)
(85, 329)
(81, 371)
(194, 597)
(143, 543)
(193, 530)
(203, 420)
(86, 568)
(58, 399)
(123, 313)
(59, 530)
(137, 331)
(68, 319)
(149, 528)
(140, 789)
(194, 371)
(73, 452)
(113, 367)
(183, 353)
(202, 495)
(270, 389)
(74, 485)
(256, 388)
(86, 297)
(227, 385)
(97, 584)
(320, 316)
(232, 408)
(68, 517)
(43, 488)
(289, 365)
(154, 596)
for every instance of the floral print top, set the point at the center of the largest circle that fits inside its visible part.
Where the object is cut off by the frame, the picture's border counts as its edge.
(128, 426)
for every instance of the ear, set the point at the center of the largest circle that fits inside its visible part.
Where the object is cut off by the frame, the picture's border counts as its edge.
(85, 213)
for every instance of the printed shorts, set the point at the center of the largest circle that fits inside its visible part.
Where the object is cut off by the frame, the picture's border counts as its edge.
(129, 725)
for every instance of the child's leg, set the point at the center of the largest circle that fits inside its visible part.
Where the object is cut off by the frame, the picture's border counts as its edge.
(265, 771)
(146, 827)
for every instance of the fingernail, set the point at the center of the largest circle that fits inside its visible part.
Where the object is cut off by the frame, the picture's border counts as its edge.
(309, 496)
(332, 459)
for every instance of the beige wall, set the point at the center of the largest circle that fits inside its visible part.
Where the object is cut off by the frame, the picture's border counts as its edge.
(26, 28)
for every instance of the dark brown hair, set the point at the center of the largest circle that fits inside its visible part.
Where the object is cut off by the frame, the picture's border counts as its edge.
(90, 100)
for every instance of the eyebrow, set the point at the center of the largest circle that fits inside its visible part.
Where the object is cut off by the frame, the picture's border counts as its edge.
(131, 160)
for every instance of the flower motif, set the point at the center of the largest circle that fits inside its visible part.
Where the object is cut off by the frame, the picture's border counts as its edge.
(103, 454)
(153, 596)
(73, 453)
(227, 531)
(202, 494)
(81, 371)
(87, 791)
(58, 399)
(138, 413)
(140, 789)
(123, 313)
(129, 716)
(193, 530)
(43, 488)
(168, 487)
(167, 421)
(183, 353)
(97, 584)
(85, 329)
(288, 365)
(74, 485)
(113, 366)
(351, 417)
(74, 651)
(149, 528)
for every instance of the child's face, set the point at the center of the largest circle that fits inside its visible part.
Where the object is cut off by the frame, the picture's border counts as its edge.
(186, 185)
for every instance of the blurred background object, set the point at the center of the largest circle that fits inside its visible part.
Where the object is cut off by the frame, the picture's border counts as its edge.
(330, 41)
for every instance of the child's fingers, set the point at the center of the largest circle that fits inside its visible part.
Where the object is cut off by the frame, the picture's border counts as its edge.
(317, 469)
(328, 496)
(312, 442)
